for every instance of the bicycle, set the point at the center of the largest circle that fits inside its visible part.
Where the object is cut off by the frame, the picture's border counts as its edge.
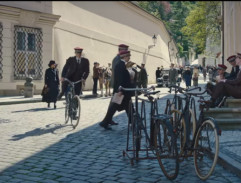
(161, 141)
(73, 107)
(204, 143)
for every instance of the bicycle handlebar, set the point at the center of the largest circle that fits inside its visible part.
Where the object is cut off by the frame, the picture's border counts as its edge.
(180, 89)
(151, 93)
(72, 83)
(137, 89)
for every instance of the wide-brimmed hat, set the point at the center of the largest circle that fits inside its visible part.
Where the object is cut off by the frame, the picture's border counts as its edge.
(51, 62)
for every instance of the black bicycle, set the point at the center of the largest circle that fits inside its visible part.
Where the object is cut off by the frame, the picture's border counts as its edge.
(200, 139)
(161, 139)
(73, 107)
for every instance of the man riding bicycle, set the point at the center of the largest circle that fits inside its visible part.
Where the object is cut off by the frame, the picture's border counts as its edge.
(76, 68)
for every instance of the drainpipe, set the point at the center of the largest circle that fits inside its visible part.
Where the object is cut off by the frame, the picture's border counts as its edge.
(222, 32)
(169, 50)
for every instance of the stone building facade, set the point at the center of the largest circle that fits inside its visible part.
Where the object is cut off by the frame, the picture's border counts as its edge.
(34, 32)
(232, 29)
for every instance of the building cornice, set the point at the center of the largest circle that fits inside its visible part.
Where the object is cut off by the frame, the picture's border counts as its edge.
(14, 13)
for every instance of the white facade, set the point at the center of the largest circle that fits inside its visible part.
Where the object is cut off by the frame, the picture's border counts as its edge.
(97, 27)
(232, 28)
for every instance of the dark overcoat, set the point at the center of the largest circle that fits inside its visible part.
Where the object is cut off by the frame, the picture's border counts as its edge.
(116, 60)
(122, 78)
(187, 75)
(74, 71)
(51, 79)
(233, 73)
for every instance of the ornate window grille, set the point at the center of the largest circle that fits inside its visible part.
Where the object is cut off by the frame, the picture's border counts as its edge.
(27, 53)
(1, 58)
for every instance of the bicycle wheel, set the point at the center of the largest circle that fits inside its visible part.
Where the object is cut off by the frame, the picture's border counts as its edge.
(68, 98)
(180, 129)
(206, 149)
(136, 132)
(192, 118)
(76, 109)
(166, 149)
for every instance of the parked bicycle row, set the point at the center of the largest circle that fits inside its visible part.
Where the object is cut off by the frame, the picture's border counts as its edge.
(174, 134)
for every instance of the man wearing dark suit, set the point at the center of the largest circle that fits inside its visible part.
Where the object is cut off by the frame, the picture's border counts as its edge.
(228, 87)
(122, 47)
(75, 69)
(235, 67)
(172, 75)
(122, 78)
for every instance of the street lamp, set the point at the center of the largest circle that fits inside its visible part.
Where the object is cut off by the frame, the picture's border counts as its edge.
(154, 39)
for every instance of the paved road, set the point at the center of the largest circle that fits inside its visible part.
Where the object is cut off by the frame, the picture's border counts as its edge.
(36, 146)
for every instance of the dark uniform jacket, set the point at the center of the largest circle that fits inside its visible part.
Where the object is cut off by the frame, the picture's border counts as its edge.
(122, 78)
(116, 60)
(74, 71)
(233, 73)
(237, 81)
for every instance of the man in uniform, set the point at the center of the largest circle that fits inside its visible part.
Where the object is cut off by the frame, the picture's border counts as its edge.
(228, 87)
(122, 47)
(143, 80)
(75, 69)
(95, 78)
(158, 72)
(235, 67)
(122, 78)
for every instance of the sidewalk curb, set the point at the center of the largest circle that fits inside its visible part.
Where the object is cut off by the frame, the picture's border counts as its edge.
(31, 100)
(230, 164)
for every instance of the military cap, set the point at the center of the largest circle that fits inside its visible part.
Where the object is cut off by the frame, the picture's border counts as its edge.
(78, 50)
(123, 46)
(231, 58)
(222, 67)
(95, 62)
(124, 53)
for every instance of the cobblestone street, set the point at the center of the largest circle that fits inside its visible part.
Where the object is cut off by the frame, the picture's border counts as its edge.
(36, 146)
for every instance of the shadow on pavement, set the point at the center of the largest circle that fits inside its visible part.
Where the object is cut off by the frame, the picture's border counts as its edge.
(38, 109)
(38, 131)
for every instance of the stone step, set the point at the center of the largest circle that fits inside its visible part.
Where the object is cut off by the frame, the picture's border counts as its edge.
(224, 113)
(229, 124)
(232, 103)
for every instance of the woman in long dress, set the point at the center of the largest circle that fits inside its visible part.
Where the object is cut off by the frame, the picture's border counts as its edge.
(52, 83)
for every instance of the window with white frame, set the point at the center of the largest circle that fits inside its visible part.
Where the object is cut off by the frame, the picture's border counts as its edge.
(27, 53)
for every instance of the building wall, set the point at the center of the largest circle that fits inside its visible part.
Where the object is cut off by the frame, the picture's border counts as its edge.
(9, 17)
(232, 27)
(99, 27)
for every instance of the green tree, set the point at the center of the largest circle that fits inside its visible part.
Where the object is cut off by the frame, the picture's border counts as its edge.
(173, 14)
(202, 23)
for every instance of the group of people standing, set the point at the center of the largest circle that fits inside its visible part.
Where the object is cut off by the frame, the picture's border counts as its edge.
(103, 75)
(124, 73)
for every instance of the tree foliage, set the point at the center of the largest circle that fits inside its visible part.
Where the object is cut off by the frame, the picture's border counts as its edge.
(202, 24)
(173, 14)
(190, 23)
